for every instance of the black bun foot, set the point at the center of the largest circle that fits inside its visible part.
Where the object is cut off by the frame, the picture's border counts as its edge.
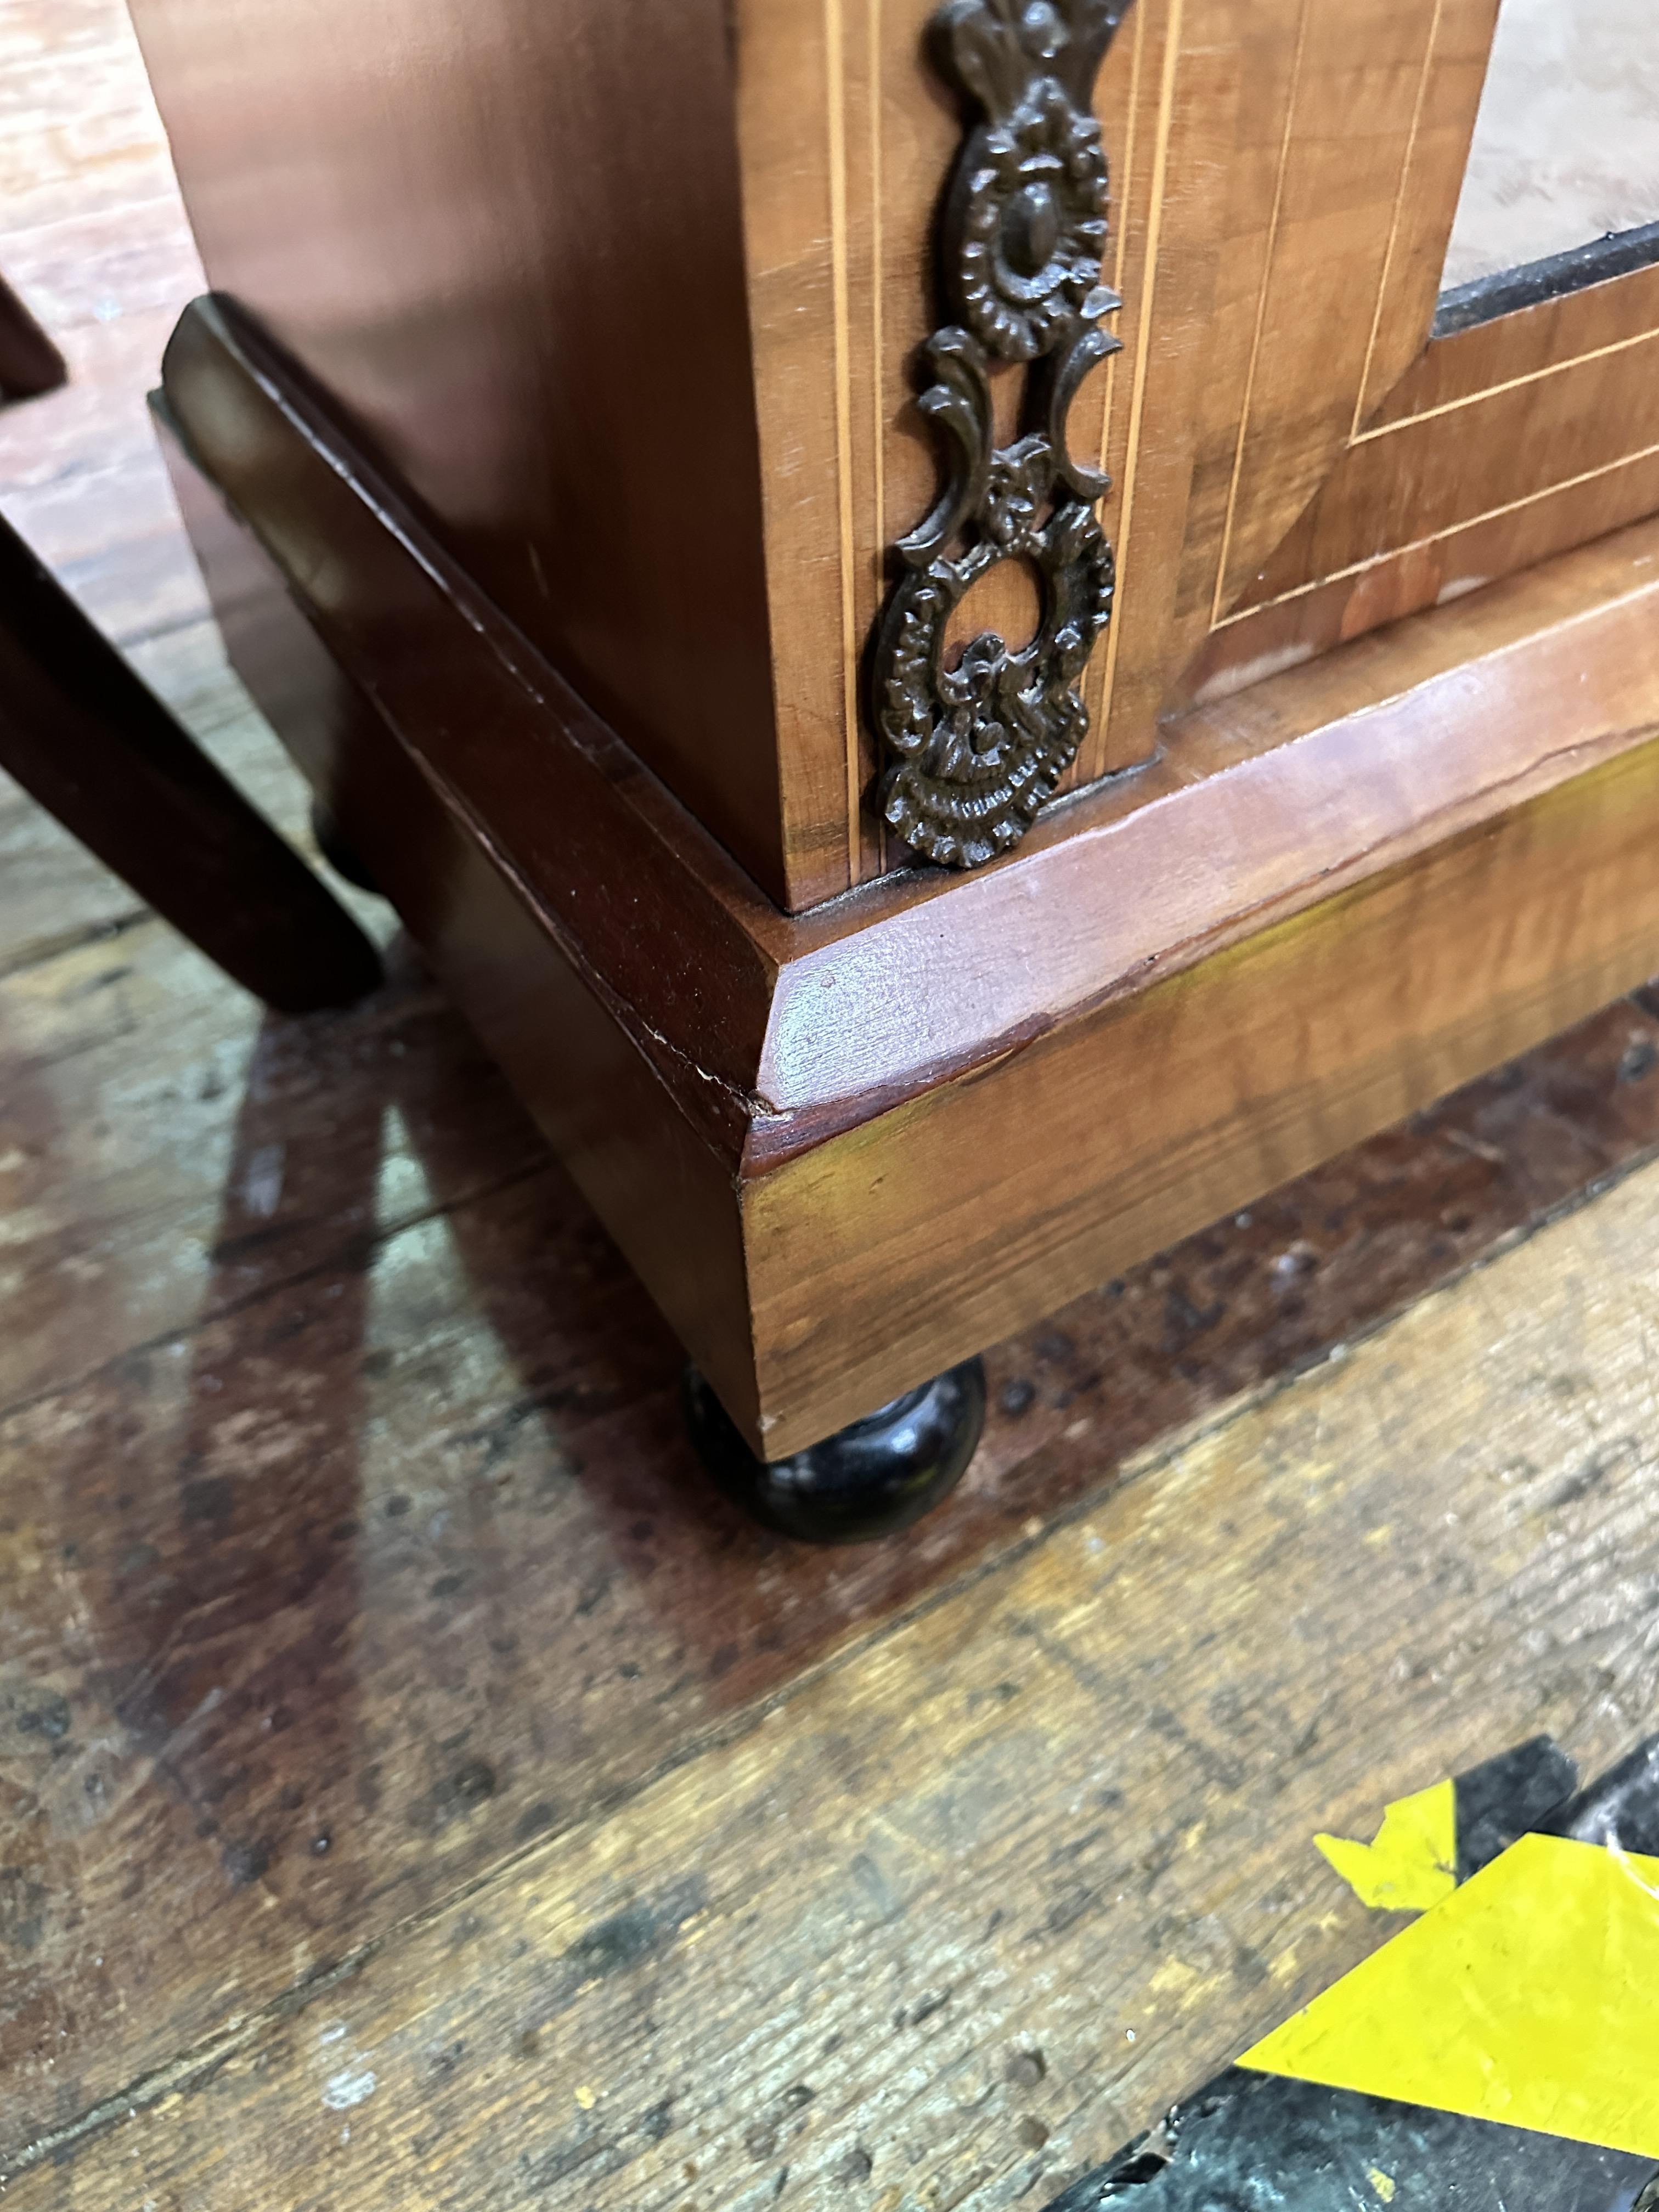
(869, 1479)
(336, 852)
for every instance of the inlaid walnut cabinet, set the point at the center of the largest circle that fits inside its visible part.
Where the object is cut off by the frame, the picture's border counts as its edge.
(922, 608)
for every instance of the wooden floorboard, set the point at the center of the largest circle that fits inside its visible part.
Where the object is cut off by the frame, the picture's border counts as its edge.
(344, 1495)
(968, 1908)
(417, 1788)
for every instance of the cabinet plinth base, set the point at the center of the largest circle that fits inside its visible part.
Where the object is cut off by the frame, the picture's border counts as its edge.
(846, 1148)
(870, 1478)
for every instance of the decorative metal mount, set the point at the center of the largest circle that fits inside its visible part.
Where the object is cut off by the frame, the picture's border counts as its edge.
(977, 748)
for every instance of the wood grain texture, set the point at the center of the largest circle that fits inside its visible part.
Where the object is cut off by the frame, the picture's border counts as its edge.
(794, 107)
(79, 139)
(773, 1116)
(1277, 791)
(371, 1223)
(1429, 572)
(347, 1224)
(1434, 168)
(1308, 782)
(971, 1905)
(1537, 341)
(87, 738)
(1425, 478)
(1360, 68)
(96, 238)
(1279, 277)
(558, 376)
(1192, 1098)
(264, 1279)
(846, 137)
(321, 1274)
(1208, 109)
(1443, 475)
(1163, 389)
(1303, 222)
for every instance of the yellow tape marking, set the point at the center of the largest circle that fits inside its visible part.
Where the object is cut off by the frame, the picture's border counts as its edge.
(1530, 1997)
(1413, 1864)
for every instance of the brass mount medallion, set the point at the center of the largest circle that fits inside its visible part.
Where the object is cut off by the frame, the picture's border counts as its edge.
(975, 750)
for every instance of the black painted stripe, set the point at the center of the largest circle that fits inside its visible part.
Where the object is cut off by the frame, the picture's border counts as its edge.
(1533, 281)
(1509, 1797)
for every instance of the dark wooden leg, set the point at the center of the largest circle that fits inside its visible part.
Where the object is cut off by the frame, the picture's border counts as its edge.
(29, 362)
(341, 856)
(870, 1478)
(85, 738)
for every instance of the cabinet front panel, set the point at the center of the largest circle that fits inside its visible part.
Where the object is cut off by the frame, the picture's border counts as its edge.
(1297, 455)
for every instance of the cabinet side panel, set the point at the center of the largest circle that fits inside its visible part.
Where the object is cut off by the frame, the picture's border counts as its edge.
(505, 238)
(661, 1189)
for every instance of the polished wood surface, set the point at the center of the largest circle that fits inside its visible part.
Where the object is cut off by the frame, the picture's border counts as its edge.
(342, 1499)
(1357, 76)
(1296, 460)
(1382, 468)
(960, 1213)
(345, 1498)
(846, 137)
(1309, 782)
(1550, 338)
(791, 1125)
(506, 239)
(1268, 803)
(1423, 478)
(401, 1474)
(1441, 572)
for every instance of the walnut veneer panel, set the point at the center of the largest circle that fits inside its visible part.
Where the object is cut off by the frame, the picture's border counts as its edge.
(1463, 456)
(505, 239)
(1286, 174)
(630, 299)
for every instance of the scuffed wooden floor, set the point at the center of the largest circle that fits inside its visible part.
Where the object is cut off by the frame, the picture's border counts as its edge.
(417, 1789)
